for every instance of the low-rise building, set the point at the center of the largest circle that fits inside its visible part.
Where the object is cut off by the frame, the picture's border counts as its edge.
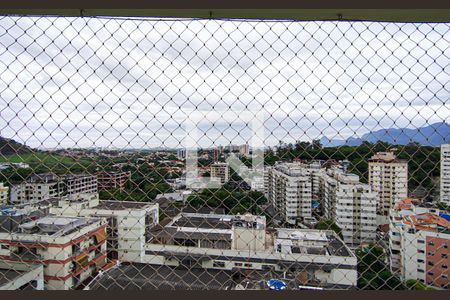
(21, 276)
(419, 242)
(221, 171)
(48, 185)
(70, 249)
(233, 242)
(112, 180)
(128, 222)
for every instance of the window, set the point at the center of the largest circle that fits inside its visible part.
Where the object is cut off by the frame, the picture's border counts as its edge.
(219, 264)
(421, 241)
(430, 243)
(238, 264)
(444, 255)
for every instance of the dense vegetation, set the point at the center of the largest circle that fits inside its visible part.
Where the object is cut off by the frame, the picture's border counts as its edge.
(373, 270)
(326, 224)
(234, 201)
(11, 147)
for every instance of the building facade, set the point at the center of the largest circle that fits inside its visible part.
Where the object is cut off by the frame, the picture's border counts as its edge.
(388, 176)
(48, 185)
(351, 204)
(128, 222)
(221, 171)
(112, 180)
(419, 241)
(445, 174)
(36, 188)
(229, 242)
(3, 194)
(70, 249)
(289, 188)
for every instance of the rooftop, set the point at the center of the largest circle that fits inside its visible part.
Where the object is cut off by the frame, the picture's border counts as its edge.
(216, 221)
(427, 221)
(139, 276)
(9, 271)
(121, 205)
(387, 157)
(55, 226)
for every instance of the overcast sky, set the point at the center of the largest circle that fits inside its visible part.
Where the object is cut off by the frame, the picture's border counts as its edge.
(73, 82)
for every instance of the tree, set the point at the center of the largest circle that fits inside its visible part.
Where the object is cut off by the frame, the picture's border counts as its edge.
(327, 224)
(373, 272)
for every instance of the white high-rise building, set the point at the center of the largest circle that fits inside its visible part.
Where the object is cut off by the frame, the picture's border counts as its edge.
(289, 188)
(388, 176)
(445, 174)
(351, 204)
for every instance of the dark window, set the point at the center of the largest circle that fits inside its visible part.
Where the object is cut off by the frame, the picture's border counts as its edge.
(219, 264)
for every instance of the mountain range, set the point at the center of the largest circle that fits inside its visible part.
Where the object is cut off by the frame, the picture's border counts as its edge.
(9, 147)
(433, 135)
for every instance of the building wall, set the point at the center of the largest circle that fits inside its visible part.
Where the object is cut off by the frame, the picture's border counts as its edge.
(251, 260)
(82, 184)
(131, 226)
(24, 193)
(445, 174)
(390, 181)
(438, 260)
(56, 253)
(34, 274)
(290, 195)
(351, 204)
(3, 194)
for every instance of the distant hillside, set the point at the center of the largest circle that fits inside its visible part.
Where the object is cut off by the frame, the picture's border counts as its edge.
(432, 135)
(10, 147)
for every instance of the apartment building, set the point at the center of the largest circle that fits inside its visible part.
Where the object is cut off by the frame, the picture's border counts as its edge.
(3, 194)
(388, 176)
(112, 180)
(48, 185)
(445, 174)
(351, 204)
(70, 249)
(233, 242)
(289, 188)
(80, 184)
(221, 171)
(419, 242)
(244, 150)
(36, 188)
(128, 222)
